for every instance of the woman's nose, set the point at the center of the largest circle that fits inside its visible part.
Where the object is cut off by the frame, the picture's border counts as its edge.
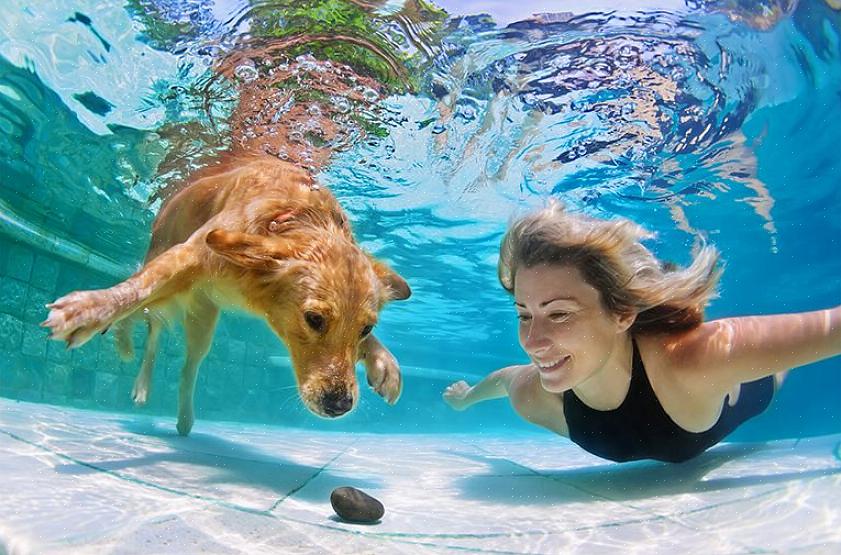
(536, 340)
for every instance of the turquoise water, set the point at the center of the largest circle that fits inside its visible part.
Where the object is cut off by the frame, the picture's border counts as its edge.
(713, 119)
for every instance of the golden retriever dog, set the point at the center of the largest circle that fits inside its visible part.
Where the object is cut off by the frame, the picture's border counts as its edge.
(258, 234)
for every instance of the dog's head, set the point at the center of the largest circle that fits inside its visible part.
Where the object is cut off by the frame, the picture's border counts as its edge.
(321, 294)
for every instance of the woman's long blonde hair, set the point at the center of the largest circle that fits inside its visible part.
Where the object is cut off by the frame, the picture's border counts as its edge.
(610, 255)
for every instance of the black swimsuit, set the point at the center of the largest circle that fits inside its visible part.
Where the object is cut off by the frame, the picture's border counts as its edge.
(640, 429)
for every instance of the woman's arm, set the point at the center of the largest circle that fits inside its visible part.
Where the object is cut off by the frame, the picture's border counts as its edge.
(461, 395)
(730, 351)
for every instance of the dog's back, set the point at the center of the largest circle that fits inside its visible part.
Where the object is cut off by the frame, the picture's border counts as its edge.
(245, 189)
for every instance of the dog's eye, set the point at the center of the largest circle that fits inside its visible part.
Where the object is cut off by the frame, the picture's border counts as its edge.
(315, 321)
(366, 331)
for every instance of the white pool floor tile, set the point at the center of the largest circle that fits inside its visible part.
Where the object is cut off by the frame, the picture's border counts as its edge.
(90, 482)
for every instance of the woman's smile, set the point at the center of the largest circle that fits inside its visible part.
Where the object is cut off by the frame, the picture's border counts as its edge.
(551, 366)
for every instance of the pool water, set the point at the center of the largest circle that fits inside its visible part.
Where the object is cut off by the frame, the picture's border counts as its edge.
(434, 125)
(93, 482)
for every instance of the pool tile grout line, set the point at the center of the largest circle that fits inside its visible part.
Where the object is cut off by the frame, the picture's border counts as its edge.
(317, 473)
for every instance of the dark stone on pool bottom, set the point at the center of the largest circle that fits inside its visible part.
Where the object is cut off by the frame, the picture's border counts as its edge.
(354, 505)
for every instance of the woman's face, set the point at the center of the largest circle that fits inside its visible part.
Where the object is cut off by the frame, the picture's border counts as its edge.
(564, 328)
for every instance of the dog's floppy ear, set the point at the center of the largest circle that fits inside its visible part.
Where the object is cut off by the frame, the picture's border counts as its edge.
(247, 250)
(398, 288)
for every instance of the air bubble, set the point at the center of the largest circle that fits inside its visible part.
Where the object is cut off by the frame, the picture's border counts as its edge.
(466, 112)
(627, 51)
(370, 94)
(341, 103)
(246, 73)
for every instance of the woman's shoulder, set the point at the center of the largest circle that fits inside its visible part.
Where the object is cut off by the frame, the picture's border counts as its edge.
(677, 354)
(698, 359)
(535, 404)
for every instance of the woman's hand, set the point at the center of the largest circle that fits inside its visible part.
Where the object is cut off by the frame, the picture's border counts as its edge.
(456, 395)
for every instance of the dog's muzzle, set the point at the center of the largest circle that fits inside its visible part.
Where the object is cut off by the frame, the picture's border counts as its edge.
(336, 404)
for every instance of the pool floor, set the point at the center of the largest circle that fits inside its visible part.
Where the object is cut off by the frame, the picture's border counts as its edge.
(77, 481)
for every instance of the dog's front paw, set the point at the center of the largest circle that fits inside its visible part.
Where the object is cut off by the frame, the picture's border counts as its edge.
(77, 317)
(384, 374)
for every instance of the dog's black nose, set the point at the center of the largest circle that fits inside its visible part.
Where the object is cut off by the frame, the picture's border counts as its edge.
(336, 404)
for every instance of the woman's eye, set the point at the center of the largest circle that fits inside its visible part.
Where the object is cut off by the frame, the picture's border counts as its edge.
(315, 321)
(366, 331)
(558, 316)
(523, 317)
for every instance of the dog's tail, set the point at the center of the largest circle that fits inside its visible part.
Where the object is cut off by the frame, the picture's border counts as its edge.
(123, 339)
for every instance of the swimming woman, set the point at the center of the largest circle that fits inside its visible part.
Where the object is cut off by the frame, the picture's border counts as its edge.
(622, 361)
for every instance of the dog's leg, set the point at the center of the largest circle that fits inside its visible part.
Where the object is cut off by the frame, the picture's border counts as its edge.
(199, 325)
(143, 382)
(123, 339)
(76, 317)
(382, 370)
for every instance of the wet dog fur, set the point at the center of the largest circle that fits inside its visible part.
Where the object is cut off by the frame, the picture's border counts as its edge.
(261, 235)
